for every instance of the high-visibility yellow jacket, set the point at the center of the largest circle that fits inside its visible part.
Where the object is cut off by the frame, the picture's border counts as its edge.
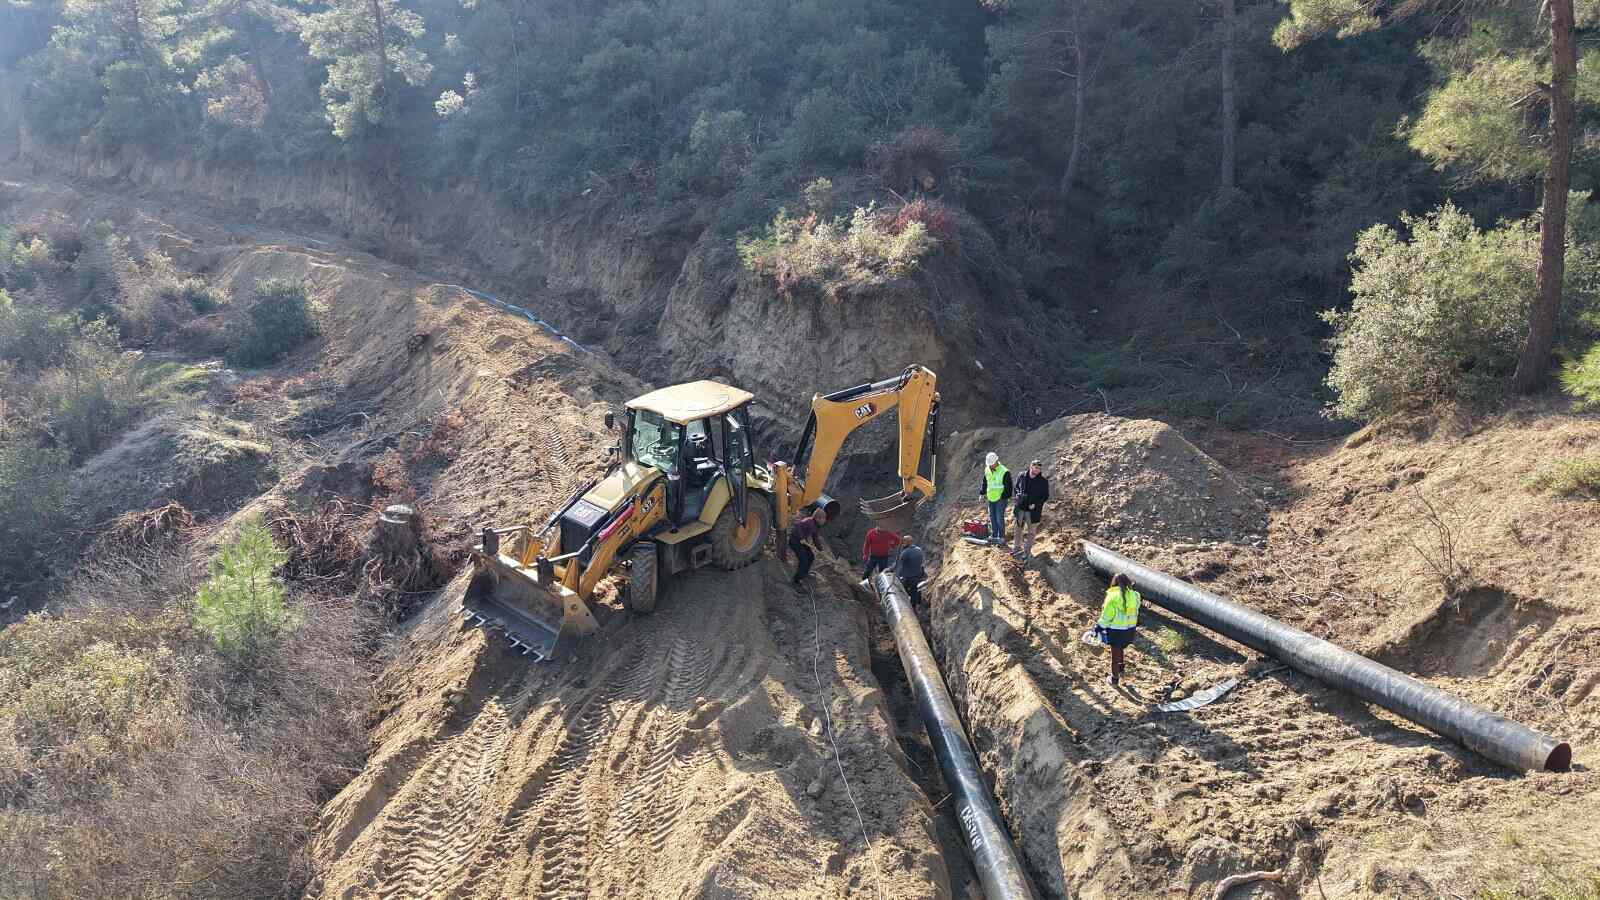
(1121, 609)
(995, 483)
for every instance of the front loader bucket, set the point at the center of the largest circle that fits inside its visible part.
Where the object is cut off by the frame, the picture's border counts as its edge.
(893, 512)
(540, 617)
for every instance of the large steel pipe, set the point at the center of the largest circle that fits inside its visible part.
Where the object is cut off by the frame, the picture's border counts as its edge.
(1496, 737)
(994, 857)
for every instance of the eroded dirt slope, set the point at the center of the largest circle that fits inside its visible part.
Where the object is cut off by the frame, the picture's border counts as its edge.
(1111, 798)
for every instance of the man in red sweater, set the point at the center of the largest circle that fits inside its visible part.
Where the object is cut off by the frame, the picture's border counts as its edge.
(875, 551)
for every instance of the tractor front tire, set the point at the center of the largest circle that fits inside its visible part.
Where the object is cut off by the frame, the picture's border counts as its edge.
(734, 546)
(643, 578)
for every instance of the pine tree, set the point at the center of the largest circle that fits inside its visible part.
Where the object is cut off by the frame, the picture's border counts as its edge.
(367, 43)
(242, 604)
(1483, 120)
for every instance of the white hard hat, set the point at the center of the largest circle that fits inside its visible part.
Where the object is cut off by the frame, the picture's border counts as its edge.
(991, 459)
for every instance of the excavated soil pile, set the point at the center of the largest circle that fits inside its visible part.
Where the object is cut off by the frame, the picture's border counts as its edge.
(1133, 478)
(1109, 797)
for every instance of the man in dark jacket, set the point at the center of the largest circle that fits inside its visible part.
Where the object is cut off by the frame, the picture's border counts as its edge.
(908, 568)
(1031, 491)
(806, 530)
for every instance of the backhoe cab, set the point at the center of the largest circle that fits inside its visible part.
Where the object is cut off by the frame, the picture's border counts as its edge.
(683, 492)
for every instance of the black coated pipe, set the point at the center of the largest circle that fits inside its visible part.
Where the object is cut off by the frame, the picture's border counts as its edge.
(1506, 742)
(994, 857)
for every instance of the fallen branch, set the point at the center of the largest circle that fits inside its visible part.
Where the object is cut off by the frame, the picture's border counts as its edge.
(1233, 881)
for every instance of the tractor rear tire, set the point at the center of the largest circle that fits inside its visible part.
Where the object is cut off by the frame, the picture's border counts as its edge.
(734, 546)
(643, 578)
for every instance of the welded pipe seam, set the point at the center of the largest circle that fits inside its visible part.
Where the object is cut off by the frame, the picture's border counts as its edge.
(994, 857)
(1490, 734)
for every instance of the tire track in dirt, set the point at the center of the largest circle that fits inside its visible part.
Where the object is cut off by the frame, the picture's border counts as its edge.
(557, 464)
(690, 752)
(439, 827)
(478, 878)
(564, 825)
(689, 672)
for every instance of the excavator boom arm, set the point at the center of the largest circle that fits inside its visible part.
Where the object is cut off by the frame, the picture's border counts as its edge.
(834, 417)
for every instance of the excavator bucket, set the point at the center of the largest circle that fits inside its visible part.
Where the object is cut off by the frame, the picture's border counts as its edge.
(893, 512)
(540, 617)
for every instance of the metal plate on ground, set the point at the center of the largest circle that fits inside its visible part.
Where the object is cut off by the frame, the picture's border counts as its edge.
(1200, 698)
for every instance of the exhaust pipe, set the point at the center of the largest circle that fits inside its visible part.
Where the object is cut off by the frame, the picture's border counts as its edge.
(994, 857)
(1509, 743)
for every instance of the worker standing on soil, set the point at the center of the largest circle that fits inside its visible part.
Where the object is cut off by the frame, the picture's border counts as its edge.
(1032, 490)
(875, 551)
(996, 491)
(806, 528)
(908, 568)
(1119, 620)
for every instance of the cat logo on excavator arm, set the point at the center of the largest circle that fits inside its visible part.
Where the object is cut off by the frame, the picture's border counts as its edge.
(683, 490)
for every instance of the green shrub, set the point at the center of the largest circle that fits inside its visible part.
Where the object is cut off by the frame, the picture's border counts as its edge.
(278, 320)
(102, 270)
(70, 692)
(33, 336)
(24, 263)
(200, 297)
(34, 510)
(820, 196)
(94, 394)
(834, 255)
(154, 300)
(1437, 316)
(1570, 477)
(1581, 379)
(242, 604)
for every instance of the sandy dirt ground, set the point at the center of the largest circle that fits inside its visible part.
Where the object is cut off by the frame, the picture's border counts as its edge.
(682, 754)
(1111, 798)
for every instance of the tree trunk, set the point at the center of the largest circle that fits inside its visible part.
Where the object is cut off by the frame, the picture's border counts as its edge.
(244, 25)
(1230, 115)
(1534, 362)
(1080, 86)
(381, 47)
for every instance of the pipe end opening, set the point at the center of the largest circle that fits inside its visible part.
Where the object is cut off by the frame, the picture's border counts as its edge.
(1560, 759)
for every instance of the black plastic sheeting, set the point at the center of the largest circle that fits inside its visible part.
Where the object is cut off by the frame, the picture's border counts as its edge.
(994, 857)
(1509, 743)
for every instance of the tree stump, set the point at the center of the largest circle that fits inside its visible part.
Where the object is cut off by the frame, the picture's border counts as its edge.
(397, 534)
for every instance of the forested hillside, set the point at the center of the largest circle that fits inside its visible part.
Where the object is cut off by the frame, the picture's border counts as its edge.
(1177, 185)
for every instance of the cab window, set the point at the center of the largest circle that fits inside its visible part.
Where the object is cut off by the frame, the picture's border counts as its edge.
(653, 440)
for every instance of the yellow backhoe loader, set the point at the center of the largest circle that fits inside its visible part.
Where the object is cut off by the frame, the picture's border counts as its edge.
(683, 490)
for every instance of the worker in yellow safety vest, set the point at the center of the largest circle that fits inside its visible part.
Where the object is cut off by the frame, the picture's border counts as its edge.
(1119, 620)
(996, 491)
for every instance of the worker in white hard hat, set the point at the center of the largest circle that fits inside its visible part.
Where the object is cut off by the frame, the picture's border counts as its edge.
(996, 490)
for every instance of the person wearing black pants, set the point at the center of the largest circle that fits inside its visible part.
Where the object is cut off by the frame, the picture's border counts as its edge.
(908, 568)
(806, 529)
(1031, 490)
